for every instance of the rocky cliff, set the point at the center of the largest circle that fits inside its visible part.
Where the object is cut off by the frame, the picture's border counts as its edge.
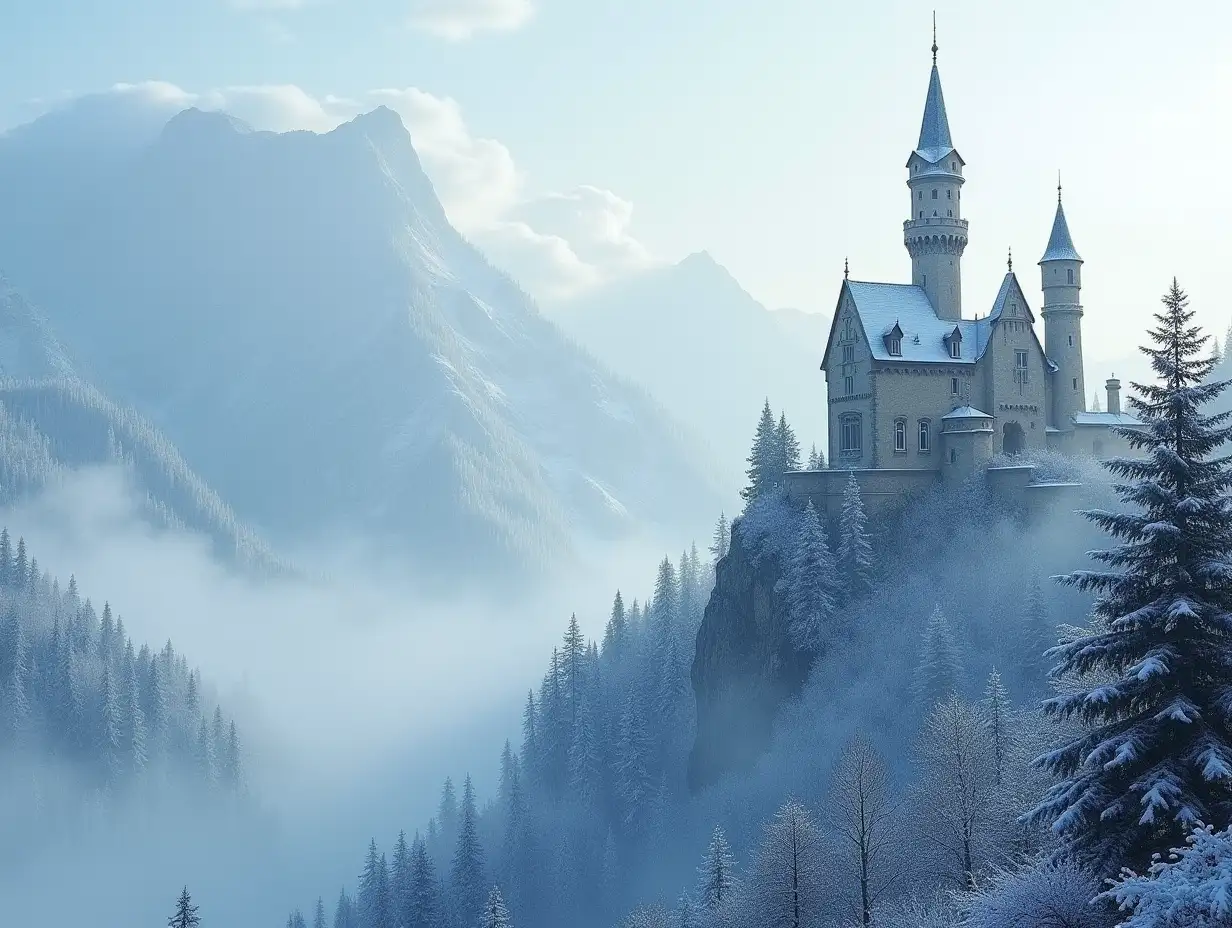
(744, 665)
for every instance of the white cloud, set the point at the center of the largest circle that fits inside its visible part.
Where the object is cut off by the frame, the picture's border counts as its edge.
(556, 244)
(457, 20)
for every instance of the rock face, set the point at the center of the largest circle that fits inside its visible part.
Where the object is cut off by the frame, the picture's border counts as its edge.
(744, 666)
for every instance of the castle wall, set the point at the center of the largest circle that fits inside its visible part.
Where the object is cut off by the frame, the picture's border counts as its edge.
(913, 393)
(1101, 443)
(883, 490)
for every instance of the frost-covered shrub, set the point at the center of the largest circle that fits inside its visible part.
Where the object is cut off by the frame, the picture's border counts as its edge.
(938, 911)
(1192, 889)
(1041, 894)
(1052, 466)
(770, 525)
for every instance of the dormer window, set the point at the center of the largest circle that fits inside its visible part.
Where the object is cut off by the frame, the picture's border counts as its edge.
(955, 349)
(953, 343)
(894, 341)
(954, 166)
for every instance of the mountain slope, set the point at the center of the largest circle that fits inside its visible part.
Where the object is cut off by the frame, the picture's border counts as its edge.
(712, 354)
(296, 313)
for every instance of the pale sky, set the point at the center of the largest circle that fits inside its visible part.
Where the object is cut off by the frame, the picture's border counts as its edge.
(577, 140)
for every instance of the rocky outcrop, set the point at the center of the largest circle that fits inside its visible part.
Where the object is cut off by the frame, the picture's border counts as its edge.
(744, 665)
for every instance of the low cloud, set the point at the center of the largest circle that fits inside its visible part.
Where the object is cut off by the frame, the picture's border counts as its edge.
(458, 20)
(555, 244)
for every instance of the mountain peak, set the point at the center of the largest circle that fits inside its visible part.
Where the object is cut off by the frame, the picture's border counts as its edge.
(194, 123)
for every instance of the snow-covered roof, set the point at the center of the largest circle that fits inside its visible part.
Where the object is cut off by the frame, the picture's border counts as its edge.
(966, 412)
(882, 306)
(1060, 245)
(935, 141)
(1107, 419)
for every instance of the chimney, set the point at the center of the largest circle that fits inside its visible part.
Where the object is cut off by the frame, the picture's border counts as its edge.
(1114, 395)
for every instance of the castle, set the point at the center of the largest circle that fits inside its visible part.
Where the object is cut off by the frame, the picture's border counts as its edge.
(916, 391)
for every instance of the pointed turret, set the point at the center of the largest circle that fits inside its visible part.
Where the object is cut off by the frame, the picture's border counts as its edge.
(1061, 279)
(935, 233)
(935, 142)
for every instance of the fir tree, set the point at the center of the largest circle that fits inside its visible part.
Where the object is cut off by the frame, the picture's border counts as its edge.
(855, 552)
(811, 583)
(111, 727)
(572, 662)
(722, 540)
(185, 913)
(372, 899)
(998, 724)
(634, 786)
(585, 763)
(665, 609)
(296, 920)
(447, 811)
(400, 882)
(134, 724)
(495, 915)
(764, 458)
(615, 633)
(816, 459)
(466, 876)
(203, 754)
(939, 671)
(1152, 692)
(423, 906)
(6, 560)
(318, 918)
(787, 447)
(21, 565)
(532, 757)
(16, 707)
(716, 889)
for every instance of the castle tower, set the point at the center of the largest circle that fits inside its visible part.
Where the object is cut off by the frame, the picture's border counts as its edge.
(936, 234)
(1061, 277)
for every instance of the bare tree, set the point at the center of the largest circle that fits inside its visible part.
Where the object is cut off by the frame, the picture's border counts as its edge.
(787, 881)
(860, 812)
(957, 807)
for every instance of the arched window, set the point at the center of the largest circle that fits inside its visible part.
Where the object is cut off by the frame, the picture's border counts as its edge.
(851, 437)
(894, 346)
(900, 435)
(1069, 272)
(953, 386)
(919, 194)
(953, 165)
(924, 441)
(955, 348)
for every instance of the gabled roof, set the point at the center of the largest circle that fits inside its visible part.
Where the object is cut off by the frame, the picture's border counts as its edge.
(1060, 245)
(935, 142)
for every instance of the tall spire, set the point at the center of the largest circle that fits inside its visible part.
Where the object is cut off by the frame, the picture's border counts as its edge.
(935, 141)
(1060, 245)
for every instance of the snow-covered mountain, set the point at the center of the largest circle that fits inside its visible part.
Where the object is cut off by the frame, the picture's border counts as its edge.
(297, 314)
(698, 342)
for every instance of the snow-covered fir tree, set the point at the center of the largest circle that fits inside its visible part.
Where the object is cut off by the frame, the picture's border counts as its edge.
(185, 915)
(855, 551)
(716, 884)
(787, 451)
(466, 876)
(939, 671)
(721, 540)
(811, 583)
(1154, 753)
(764, 458)
(495, 914)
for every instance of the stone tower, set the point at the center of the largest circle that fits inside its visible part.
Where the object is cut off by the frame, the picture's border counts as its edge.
(1061, 277)
(936, 234)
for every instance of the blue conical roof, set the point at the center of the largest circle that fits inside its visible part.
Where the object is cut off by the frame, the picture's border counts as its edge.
(1060, 245)
(935, 141)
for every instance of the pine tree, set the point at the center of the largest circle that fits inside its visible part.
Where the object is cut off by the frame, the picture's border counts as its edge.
(855, 552)
(466, 875)
(232, 770)
(296, 920)
(372, 899)
(344, 912)
(634, 786)
(585, 763)
(665, 609)
(495, 915)
(811, 582)
(572, 663)
(816, 459)
(318, 918)
(939, 671)
(764, 457)
(788, 448)
(134, 723)
(21, 566)
(998, 723)
(1151, 689)
(400, 882)
(1038, 635)
(185, 913)
(447, 811)
(423, 907)
(616, 631)
(722, 540)
(6, 559)
(716, 890)
(111, 727)
(203, 754)
(532, 751)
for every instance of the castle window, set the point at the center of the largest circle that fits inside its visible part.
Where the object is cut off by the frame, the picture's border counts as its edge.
(921, 214)
(1069, 272)
(1020, 366)
(1071, 341)
(894, 345)
(849, 385)
(953, 165)
(949, 194)
(934, 193)
(949, 212)
(849, 354)
(1075, 383)
(924, 436)
(955, 348)
(900, 436)
(850, 434)
(920, 195)
(953, 386)
(953, 455)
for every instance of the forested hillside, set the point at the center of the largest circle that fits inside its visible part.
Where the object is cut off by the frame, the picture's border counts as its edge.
(89, 719)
